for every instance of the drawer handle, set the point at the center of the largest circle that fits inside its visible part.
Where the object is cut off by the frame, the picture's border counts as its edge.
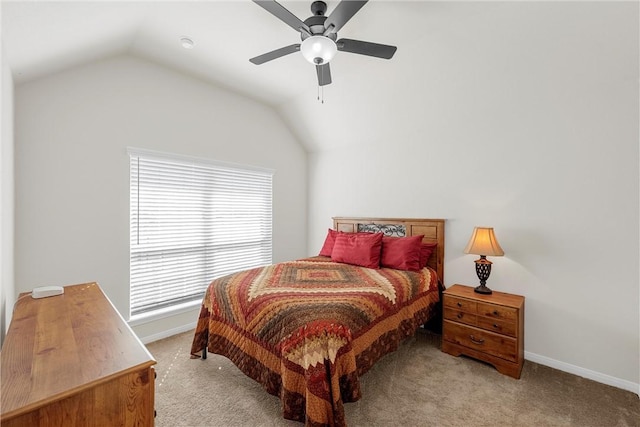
(495, 326)
(459, 316)
(459, 304)
(475, 341)
(495, 313)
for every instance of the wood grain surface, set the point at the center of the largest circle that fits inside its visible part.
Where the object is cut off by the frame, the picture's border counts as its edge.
(71, 360)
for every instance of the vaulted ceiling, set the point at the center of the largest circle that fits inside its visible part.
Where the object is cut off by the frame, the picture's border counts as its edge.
(43, 37)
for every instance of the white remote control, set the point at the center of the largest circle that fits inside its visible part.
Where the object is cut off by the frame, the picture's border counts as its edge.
(47, 291)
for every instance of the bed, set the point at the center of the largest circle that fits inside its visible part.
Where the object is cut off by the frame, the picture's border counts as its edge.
(306, 330)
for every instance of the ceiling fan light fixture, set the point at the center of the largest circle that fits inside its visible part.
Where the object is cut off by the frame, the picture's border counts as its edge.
(318, 49)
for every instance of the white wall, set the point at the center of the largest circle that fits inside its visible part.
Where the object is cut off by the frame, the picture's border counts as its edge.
(72, 167)
(524, 117)
(7, 288)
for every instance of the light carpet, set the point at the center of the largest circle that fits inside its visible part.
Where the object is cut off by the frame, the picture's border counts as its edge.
(417, 385)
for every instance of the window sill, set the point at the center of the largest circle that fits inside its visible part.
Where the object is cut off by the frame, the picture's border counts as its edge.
(152, 316)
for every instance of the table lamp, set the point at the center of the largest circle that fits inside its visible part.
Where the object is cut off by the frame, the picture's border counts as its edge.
(483, 242)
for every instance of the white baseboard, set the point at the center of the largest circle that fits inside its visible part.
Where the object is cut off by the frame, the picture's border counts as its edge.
(585, 373)
(168, 333)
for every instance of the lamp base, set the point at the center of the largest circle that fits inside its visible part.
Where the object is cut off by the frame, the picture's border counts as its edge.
(482, 289)
(483, 270)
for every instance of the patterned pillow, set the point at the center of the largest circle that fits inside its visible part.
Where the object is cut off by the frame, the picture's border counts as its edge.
(362, 249)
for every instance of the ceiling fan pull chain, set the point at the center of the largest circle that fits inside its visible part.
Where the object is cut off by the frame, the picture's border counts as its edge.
(322, 87)
(321, 91)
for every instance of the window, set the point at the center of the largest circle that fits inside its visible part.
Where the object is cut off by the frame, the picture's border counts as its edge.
(192, 220)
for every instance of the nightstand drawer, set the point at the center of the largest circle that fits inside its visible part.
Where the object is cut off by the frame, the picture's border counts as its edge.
(460, 316)
(497, 311)
(487, 342)
(499, 326)
(460, 304)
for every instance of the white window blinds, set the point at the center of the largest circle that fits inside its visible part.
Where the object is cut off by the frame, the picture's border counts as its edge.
(192, 221)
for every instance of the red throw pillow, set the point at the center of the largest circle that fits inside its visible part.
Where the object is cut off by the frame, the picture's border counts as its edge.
(358, 249)
(401, 253)
(425, 253)
(329, 241)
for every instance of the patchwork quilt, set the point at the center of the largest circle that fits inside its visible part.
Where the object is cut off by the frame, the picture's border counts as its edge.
(308, 329)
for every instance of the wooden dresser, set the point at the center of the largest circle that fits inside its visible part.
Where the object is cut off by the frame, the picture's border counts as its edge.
(71, 360)
(486, 327)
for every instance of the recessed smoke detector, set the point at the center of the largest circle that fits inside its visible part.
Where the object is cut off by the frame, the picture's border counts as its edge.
(187, 43)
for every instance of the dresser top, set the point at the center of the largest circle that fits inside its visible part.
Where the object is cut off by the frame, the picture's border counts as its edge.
(502, 298)
(61, 345)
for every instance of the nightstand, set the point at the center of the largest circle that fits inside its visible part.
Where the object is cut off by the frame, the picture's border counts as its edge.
(486, 327)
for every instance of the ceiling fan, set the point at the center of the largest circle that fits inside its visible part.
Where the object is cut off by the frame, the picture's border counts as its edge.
(319, 34)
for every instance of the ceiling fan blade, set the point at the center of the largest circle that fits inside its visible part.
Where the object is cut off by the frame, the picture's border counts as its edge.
(279, 11)
(265, 57)
(324, 74)
(366, 48)
(343, 12)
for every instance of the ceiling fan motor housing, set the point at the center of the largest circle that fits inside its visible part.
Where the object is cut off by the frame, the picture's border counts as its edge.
(316, 22)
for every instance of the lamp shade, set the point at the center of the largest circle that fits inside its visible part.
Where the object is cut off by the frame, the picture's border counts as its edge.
(318, 49)
(483, 242)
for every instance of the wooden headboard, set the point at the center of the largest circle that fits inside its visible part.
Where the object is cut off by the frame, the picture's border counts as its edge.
(433, 230)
